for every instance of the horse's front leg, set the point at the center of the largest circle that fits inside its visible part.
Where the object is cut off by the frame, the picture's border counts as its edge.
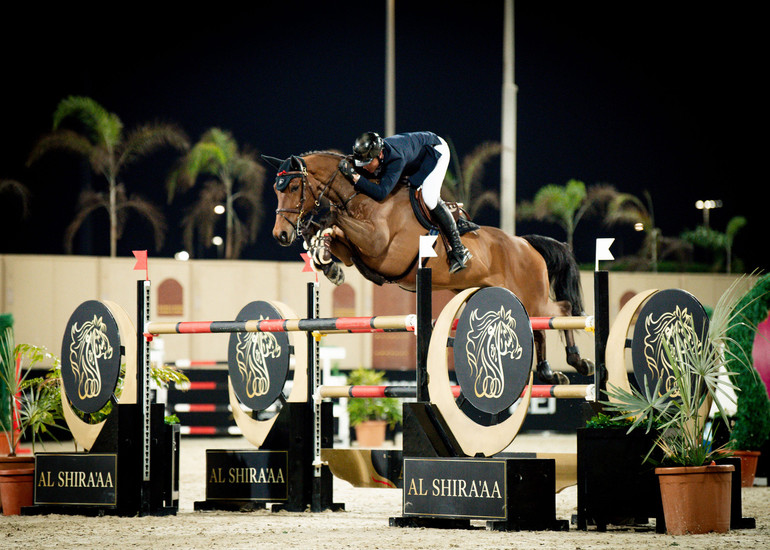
(544, 372)
(583, 366)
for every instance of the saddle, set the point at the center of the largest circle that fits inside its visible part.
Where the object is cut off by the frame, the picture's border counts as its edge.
(421, 212)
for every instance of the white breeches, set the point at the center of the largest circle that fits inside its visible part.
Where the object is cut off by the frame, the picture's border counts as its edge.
(431, 187)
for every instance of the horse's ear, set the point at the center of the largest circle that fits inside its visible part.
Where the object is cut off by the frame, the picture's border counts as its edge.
(272, 161)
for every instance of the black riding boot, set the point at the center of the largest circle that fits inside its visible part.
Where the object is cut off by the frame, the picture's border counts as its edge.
(459, 255)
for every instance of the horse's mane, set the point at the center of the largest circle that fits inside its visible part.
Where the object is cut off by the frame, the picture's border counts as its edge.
(330, 153)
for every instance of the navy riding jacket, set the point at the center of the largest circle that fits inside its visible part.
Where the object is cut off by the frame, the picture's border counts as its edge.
(410, 154)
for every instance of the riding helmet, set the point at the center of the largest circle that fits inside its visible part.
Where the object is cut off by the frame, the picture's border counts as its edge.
(367, 146)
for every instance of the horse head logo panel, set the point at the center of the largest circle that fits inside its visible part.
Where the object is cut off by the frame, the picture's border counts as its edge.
(258, 362)
(493, 350)
(668, 316)
(91, 355)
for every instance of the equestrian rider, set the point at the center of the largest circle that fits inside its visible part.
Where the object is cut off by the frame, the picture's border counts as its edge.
(424, 158)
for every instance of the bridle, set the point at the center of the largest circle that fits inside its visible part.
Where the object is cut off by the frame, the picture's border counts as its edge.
(299, 210)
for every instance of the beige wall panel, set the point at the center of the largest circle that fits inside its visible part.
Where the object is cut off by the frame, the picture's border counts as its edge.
(174, 346)
(42, 291)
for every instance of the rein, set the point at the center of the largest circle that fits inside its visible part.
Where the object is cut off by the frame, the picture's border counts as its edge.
(325, 187)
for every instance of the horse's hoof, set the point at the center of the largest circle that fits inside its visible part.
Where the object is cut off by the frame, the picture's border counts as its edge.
(548, 376)
(588, 367)
(583, 366)
(334, 273)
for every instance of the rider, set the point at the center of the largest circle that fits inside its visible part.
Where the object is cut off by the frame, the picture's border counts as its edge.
(424, 157)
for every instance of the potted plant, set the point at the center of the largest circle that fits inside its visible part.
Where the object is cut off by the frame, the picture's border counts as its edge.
(752, 419)
(616, 485)
(29, 405)
(371, 416)
(697, 373)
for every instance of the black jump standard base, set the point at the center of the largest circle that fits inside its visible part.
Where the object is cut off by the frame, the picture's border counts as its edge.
(445, 491)
(108, 479)
(280, 473)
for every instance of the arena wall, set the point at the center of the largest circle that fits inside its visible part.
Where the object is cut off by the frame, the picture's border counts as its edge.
(42, 291)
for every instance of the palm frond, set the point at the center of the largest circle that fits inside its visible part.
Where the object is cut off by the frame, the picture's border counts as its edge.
(627, 208)
(248, 172)
(62, 140)
(103, 128)
(473, 164)
(201, 216)
(88, 202)
(20, 190)
(148, 138)
(149, 212)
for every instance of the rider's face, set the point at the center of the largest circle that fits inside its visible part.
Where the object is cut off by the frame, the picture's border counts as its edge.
(372, 166)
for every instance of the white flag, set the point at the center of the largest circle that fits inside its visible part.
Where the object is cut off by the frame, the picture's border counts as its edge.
(426, 246)
(603, 250)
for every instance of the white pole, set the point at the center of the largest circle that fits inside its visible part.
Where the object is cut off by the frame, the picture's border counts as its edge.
(508, 155)
(390, 69)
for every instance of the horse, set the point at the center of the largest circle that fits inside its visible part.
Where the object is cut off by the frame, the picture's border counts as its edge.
(381, 240)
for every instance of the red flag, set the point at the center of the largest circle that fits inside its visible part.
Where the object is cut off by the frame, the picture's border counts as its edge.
(307, 266)
(141, 261)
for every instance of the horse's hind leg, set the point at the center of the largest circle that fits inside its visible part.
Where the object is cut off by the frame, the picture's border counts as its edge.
(544, 371)
(583, 366)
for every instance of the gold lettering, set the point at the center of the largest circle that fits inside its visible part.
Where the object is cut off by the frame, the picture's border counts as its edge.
(216, 476)
(416, 489)
(44, 480)
(461, 488)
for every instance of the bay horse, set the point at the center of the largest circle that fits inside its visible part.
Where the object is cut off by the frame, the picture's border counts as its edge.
(381, 240)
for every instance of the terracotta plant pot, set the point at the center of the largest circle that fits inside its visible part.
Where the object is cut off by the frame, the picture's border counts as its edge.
(748, 466)
(16, 489)
(15, 462)
(4, 448)
(696, 499)
(371, 433)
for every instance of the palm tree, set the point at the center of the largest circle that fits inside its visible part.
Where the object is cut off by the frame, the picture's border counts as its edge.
(565, 205)
(709, 238)
(628, 208)
(464, 183)
(217, 159)
(99, 137)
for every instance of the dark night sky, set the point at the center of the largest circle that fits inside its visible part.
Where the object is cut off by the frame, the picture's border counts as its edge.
(638, 95)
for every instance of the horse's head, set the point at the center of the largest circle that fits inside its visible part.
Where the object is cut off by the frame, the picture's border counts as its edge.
(294, 198)
(301, 185)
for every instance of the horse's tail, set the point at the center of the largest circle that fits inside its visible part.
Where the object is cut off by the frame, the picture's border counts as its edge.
(563, 271)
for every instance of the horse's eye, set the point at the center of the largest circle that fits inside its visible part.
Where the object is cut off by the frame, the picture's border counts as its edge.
(294, 188)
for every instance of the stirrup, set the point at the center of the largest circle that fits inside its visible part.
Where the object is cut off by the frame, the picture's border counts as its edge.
(458, 260)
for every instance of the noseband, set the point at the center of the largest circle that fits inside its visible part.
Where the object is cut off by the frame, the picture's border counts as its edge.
(303, 174)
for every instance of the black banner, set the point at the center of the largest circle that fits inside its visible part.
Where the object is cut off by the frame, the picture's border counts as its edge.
(468, 488)
(80, 479)
(246, 475)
